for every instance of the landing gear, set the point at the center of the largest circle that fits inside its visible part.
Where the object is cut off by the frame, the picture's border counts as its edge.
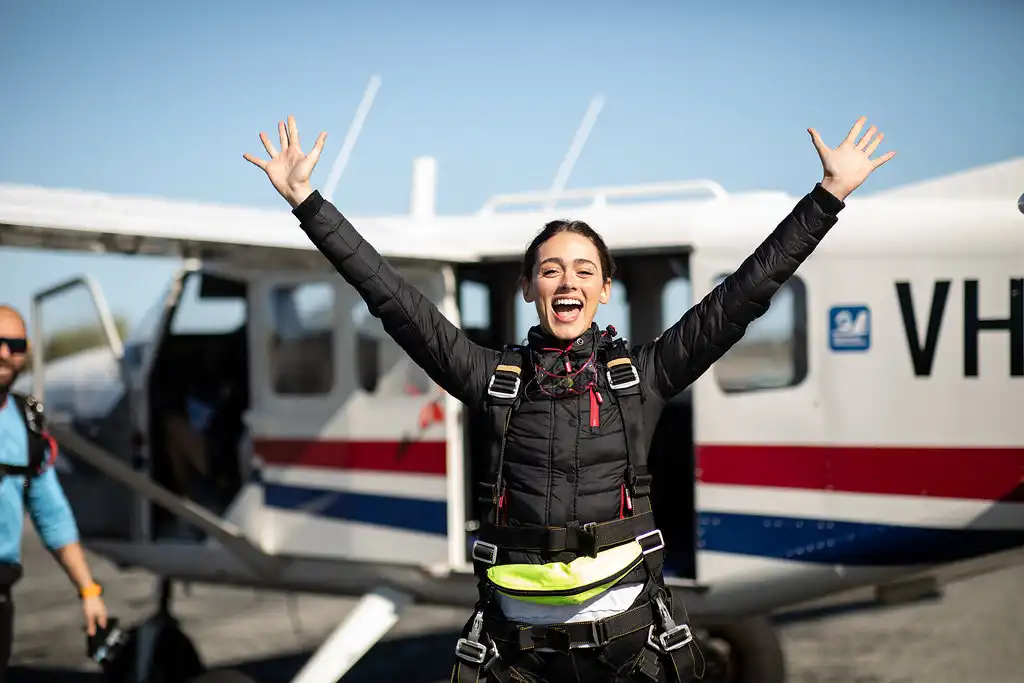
(157, 651)
(744, 651)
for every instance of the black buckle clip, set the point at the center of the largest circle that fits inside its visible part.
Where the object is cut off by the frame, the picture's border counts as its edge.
(622, 374)
(488, 552)
(670, 639)
(505, 382)
(470, 649)
(587, 537)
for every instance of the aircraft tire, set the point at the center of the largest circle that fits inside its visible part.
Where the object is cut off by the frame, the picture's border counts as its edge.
(749, 651)
(175, 659)
(223, 676)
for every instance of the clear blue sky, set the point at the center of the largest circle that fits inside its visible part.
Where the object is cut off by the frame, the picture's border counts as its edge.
(164, 99)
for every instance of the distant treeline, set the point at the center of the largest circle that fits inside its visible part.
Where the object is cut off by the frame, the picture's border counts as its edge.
(76, 339)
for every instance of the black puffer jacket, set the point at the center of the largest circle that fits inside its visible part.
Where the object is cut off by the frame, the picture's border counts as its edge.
(558, 467)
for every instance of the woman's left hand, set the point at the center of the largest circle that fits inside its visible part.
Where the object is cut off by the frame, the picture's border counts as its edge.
(849, 164)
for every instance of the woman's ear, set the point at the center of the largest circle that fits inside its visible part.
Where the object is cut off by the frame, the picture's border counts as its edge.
(606, 291)
(527, 287)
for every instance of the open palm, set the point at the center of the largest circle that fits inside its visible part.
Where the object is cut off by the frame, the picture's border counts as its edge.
(289, 169)
(849, 164)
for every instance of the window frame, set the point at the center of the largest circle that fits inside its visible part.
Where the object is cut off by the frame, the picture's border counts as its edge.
(798, 340)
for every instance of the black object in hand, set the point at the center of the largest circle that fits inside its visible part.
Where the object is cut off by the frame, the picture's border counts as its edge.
(106, 643)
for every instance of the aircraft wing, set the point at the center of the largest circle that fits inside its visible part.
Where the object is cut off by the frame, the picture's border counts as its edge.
(46, 218)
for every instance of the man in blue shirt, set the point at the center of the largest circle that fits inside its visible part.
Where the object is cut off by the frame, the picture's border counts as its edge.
(43, 499)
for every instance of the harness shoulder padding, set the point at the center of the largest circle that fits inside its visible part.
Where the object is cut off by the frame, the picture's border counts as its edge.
(31, 412)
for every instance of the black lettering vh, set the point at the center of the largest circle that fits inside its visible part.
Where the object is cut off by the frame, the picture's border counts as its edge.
(922, 352)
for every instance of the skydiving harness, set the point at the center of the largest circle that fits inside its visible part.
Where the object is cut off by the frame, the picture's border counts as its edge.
(32, 413)
(631, 548)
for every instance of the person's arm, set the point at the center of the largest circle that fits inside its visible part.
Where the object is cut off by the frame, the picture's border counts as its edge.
(705, 332)
(703, 335)
(460, 366)
(455, 363)
(52, 516)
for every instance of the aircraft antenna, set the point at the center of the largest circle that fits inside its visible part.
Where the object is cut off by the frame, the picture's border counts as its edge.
(579, 139)
(350, 138)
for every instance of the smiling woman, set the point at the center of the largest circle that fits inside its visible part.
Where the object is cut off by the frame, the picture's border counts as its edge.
(567, 272)
(568, 557)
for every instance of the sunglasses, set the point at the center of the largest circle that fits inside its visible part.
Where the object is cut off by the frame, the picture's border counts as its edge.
(15, 344)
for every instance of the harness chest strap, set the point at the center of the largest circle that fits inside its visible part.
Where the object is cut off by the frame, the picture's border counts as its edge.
(587, 539)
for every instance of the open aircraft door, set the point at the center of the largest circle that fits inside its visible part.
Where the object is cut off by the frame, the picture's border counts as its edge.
(360, 452)
(88, 392)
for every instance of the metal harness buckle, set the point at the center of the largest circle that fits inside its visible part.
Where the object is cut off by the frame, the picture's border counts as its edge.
(498, 393)
(628, 383)
(490, 549)
(474, 653)
(663, 642)
(470, 649)
(661, 541)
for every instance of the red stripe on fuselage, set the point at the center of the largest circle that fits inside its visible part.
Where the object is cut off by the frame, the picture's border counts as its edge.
(418, 457)
(968, 472)
(971, 473)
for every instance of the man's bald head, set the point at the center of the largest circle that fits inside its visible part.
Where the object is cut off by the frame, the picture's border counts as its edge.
(11, 319)
(13, 351)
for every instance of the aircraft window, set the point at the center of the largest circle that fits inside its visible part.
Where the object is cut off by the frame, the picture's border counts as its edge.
(615, 312)
(206, 316)
(773, 352)
(676, 299)
(474, 310)
(302, 338)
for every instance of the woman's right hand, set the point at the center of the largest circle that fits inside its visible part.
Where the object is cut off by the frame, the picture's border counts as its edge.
(289, 169)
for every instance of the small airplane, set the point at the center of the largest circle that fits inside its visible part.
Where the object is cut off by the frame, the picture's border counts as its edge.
(864, 434)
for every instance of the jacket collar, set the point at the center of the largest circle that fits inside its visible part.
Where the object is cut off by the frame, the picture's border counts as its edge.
(544, 345)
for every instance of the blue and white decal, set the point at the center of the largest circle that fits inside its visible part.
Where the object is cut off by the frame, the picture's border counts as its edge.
(849, 328)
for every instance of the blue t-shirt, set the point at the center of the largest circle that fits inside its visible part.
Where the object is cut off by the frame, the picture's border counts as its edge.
(47, 505)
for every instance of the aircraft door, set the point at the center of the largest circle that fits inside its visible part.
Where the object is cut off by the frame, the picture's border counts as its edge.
(196, 393)
(85, 391)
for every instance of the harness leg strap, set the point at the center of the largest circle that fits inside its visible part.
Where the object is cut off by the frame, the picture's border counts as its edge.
(674, 643)
(472, 656)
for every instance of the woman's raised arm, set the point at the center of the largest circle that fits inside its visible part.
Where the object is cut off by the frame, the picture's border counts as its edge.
(445, 353)
(708, 330)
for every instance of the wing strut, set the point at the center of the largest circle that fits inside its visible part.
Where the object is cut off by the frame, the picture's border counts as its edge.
(230, 536)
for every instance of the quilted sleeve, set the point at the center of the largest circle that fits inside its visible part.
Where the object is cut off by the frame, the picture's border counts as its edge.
(446, 354)
(709, 329)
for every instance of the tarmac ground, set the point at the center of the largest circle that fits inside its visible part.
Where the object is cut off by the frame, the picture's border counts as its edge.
(975, 632)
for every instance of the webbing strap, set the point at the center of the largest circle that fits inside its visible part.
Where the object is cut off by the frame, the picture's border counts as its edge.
(670, 641)
(563, 637)
(624, 382)
(503, 391)
(475, 652)
(587, 539)
(32, 413)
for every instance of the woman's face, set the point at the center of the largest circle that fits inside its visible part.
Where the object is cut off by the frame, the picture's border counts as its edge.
(567, 285)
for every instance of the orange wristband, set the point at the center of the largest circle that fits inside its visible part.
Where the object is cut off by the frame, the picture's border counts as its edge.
(93, 590)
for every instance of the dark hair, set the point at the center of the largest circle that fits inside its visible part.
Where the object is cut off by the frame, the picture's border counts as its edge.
(577, 227)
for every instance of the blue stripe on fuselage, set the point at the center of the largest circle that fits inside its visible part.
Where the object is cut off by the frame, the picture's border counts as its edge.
(410, 514)
(776, 537)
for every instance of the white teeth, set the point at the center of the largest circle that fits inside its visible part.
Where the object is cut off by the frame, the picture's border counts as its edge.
(568, 302)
